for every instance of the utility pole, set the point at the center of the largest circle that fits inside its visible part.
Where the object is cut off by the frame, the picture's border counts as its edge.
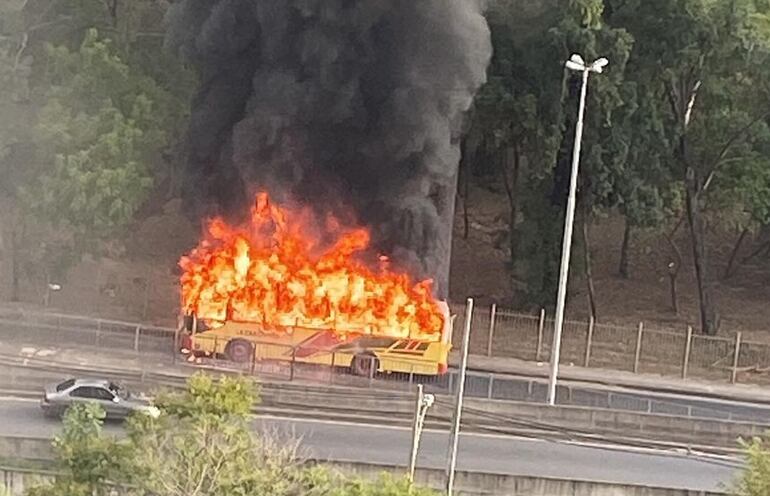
(454, 437)
(575, 63)
(424, 401)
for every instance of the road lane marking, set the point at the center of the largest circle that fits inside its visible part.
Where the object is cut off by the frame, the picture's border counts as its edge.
(672, 453)
(16, 399)
(669, 453)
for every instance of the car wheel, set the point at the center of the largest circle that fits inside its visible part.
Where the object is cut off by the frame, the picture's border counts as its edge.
(239, 350)
(364, 365)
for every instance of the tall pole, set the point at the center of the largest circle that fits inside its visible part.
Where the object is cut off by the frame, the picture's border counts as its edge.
(569, 221)
(454, 438)
(416, 428)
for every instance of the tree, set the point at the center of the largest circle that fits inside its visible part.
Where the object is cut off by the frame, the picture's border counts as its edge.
(527, 113)
(202, 444)
(755, 480)
(73, 101)
(87, 459)
(16, 109)
(99, 131)
(705, 63)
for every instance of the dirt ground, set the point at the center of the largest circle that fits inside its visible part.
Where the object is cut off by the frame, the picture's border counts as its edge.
(479, 269)
(142, 285)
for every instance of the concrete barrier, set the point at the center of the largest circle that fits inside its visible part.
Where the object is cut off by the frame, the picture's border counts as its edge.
(517, 417)
(16, 481)
(395, 407)
(26, 448)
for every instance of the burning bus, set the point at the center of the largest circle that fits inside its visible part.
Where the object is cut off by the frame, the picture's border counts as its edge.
(286, 287)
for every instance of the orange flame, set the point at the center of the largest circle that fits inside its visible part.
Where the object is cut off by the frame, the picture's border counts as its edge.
(267, 273)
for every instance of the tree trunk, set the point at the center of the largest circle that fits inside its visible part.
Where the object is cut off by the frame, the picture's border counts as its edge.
(587, 265)
(14, 252)
(623, 266)
(673, 268)
(672, 275)
(511, 161)
(466, 194)
(513, 240)
(734, 253)
(708, 314)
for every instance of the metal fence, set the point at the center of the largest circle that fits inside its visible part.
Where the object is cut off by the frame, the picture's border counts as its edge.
(680, 353)
(495, 333)
(58, 330)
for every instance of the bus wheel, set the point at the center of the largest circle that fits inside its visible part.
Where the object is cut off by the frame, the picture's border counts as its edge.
(364, 365)
(239, 350)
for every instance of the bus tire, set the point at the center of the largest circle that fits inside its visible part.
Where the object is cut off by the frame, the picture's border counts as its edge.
(364, 365)
(239, 350)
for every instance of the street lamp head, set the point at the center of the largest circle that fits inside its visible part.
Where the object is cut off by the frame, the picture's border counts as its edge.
(599, 65)
(574, 66)
(576, 63)
(576, 58)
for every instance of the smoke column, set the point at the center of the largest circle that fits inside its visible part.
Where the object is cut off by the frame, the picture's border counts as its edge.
(355, 103)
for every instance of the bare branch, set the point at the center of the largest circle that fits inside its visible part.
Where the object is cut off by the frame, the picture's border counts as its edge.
(719, 160)
(691, 103)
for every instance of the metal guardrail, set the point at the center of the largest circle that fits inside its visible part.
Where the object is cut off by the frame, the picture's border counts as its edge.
(509, 418)
(639, 349)
(502, 333)
(149, 345)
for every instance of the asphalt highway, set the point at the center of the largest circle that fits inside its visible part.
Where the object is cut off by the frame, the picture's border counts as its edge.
(339, 441)
(103, 344)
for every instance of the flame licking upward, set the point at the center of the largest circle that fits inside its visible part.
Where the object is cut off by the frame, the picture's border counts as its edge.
(267, 273)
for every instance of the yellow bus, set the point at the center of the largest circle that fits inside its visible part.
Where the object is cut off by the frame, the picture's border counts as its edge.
(363, 354)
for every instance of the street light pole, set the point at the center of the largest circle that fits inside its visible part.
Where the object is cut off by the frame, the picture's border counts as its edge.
(575, 63)
(454, 436)
(424, 401)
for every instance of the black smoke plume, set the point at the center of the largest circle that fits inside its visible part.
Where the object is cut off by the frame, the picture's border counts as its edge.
(336, 102)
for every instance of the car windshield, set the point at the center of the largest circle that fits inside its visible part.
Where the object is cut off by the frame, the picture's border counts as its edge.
(119, 391)
(65, 385)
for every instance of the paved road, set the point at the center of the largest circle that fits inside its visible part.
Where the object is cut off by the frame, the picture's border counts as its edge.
(482, 385)
(495, 454)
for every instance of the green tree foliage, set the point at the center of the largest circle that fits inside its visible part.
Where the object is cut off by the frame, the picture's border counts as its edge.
(102, 130)
(202, 444)
(755, 479)
(16, 112)
(93, 114)
(526, 115)
(87, 459)
(703, 67)
(676, 127)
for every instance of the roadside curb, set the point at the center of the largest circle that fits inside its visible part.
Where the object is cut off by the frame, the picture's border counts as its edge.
(619, 379)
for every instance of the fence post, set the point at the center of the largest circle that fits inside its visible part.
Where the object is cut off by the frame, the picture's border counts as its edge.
(589, 341)
(331, 368)
(687, 349)
(638, 354)
(372, 371)
(136, 338)
(291, 366)
(491, 386)
(492, 315)
(736, 357)
(98, 331)
(540, 325)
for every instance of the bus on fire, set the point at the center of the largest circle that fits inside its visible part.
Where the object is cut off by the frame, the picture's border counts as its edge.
(361, 353)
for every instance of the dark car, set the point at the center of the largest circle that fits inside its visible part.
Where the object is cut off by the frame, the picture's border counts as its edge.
(117, 401)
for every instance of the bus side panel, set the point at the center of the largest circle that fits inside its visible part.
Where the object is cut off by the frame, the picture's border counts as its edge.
(405, 356)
